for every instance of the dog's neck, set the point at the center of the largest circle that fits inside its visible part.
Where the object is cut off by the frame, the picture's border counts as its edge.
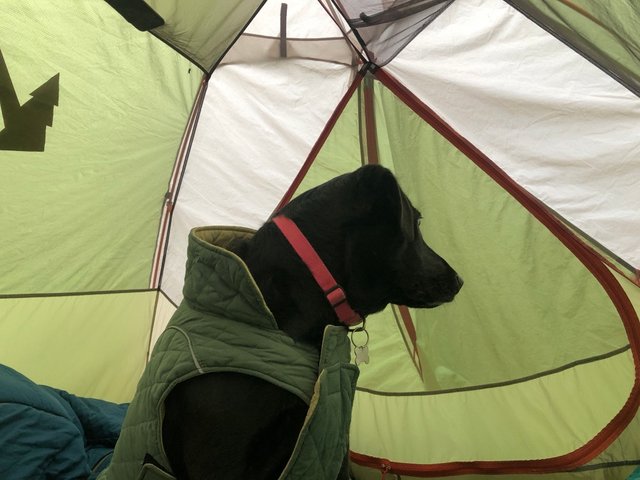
(289, 290)
(333, 292)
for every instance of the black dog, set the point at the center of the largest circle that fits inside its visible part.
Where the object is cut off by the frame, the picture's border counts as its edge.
(235, 426)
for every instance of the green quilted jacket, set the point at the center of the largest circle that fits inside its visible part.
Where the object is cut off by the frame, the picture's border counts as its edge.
(223, 324)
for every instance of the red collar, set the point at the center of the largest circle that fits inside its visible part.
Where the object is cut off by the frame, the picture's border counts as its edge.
(334, 292)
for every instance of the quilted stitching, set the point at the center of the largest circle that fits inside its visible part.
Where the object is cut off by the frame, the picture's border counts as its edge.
(322, 443)
(225, 318)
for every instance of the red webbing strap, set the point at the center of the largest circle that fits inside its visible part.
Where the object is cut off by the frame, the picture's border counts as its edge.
(334, 293)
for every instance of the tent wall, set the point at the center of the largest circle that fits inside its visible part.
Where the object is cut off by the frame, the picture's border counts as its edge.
(163, 312)
(527, 101)
(520, 302)
(526, 304)
(116, 131)
(534, 420)
(606, 33)
(80, 211)
(90, 345)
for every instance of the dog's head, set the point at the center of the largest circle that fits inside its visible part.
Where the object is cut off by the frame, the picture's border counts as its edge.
(367, 232)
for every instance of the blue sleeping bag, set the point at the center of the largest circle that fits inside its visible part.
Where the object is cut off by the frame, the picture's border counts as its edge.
(47, 433)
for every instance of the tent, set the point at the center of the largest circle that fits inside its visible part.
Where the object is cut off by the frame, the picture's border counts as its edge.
(513, 125)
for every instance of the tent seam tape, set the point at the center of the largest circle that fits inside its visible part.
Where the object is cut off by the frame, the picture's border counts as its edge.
(515, 381)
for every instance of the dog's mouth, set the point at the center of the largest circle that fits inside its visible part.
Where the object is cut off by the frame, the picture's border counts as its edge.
(432, 294)
(430, 299)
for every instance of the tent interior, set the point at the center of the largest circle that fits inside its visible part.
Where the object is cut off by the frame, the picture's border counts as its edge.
(513, 126)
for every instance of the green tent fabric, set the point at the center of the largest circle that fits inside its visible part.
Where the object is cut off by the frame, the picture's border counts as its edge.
(513, 126)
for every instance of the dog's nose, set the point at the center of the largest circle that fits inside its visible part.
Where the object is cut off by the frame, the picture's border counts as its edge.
(459, 281)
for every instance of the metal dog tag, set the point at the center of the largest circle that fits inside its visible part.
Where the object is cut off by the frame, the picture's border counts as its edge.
(362, 354)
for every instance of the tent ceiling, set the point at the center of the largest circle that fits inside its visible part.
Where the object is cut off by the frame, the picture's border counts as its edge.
(282, 30)
(386, 27)
(603, 33)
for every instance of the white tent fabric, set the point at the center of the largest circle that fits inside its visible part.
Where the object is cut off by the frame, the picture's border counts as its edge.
(537, 110)
(286, 26)
(241, 149)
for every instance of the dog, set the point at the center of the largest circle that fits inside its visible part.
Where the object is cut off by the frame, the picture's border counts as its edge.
(366, 231)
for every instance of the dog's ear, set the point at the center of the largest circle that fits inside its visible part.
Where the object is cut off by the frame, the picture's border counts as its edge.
(380, 194)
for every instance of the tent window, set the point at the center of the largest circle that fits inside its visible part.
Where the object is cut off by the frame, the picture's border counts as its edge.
(395, 12)
(385, 28)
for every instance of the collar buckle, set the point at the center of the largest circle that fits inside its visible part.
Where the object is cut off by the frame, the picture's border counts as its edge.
(335, 295)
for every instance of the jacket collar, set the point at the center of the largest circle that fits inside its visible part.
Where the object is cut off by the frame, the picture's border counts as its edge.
(217, 281)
